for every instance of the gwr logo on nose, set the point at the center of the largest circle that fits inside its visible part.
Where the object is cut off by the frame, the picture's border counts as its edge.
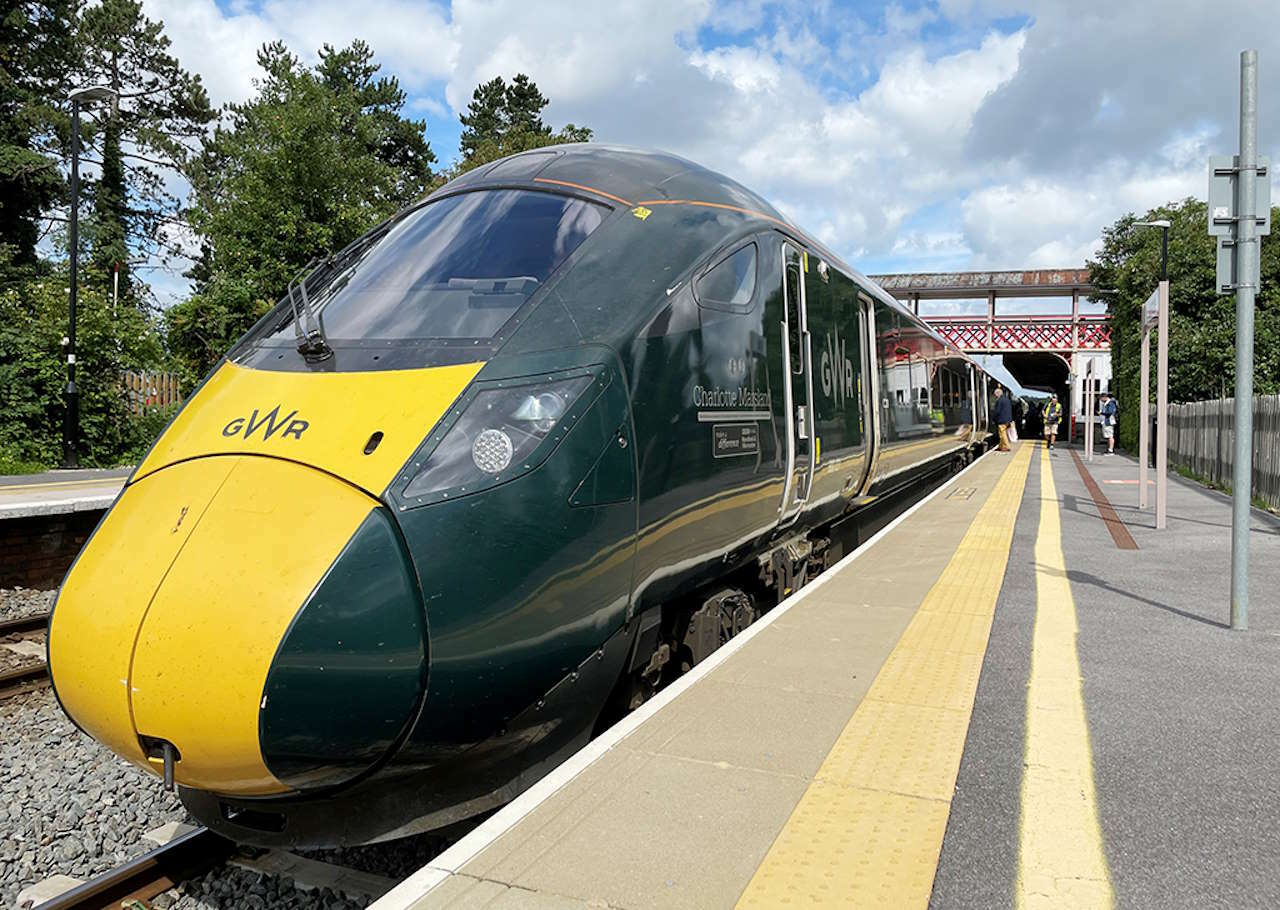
(269, 423)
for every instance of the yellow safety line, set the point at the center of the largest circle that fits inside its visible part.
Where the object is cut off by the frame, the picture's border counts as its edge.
(1061, 862)
(868, 830)
(51, 485)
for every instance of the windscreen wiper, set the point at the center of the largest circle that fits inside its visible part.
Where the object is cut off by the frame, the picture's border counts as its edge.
(307, 328)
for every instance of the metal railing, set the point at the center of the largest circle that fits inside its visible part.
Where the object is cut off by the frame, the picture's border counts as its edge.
(1024, 333)
(1202, 439)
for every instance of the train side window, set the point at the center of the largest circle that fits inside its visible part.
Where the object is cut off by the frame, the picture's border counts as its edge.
(730, 282)
(793, 316)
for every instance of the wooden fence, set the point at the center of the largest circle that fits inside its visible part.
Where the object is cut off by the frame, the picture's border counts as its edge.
(1202, 438)
(150, 389)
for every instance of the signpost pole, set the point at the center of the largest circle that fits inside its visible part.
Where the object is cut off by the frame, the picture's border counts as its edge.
(1246, 251)
(1162, 408)
(1144, 417)
(1088, 410)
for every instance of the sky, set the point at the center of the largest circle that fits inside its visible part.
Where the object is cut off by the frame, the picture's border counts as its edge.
(910, 136)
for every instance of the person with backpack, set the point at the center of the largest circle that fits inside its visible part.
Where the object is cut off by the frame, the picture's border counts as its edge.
(1052, 417)
(1108, 411)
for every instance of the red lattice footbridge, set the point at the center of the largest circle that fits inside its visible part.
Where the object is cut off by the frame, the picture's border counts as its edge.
(991, 334)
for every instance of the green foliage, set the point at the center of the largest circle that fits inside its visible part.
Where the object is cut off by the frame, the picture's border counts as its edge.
(316, 159)
(203, 327)
(36, 51)
(1202, 322)
(485, 118)
(505, 119)
(33, 322)
(163, 111)
(524, 104)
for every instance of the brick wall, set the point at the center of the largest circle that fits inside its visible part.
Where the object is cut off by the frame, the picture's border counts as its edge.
(36, 552)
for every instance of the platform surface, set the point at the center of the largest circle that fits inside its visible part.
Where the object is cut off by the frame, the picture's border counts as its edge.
(991, 705)
(60, 492)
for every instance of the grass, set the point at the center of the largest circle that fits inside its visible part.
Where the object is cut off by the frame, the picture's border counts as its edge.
(1183, 471)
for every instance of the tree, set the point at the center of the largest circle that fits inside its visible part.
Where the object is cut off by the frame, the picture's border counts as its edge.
(33, 320)
(485, 119)
(503, 119)
(162, 117)
(524, 104)
(318, 157)
(36, 51)
(1201, 321)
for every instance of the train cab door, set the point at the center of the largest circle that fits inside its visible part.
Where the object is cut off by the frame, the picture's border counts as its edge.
(797, 387)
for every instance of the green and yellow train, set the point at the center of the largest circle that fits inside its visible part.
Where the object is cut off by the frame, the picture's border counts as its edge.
(486, 477)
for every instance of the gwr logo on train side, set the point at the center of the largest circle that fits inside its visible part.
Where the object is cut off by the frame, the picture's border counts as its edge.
(269, 424)
(837, 370)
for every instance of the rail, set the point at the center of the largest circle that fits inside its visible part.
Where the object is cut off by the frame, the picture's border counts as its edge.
(28, 677)
(37, 622)
(183, 858)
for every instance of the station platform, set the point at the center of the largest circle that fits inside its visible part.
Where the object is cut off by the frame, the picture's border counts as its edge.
(46, 518)
(1016, 694)
(60, 492)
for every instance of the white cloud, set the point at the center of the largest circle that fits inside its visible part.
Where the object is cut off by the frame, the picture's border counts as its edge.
(1038, 222)
(411, 39)
(574, 51)
(863, 128)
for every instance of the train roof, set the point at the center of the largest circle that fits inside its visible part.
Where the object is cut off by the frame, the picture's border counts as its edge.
(633, 176)
(630, 176)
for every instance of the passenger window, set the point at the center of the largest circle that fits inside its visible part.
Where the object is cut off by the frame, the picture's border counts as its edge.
(732, 282)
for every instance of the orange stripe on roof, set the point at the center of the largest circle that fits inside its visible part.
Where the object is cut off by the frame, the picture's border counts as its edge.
(581, 186)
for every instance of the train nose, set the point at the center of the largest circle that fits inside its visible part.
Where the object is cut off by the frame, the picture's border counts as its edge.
(256, 614)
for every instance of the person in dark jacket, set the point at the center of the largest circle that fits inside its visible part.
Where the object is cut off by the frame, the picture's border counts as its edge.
(1003, 417)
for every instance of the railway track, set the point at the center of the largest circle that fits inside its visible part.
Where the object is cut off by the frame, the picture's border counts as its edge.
(28, 677)
(141, 879)
(24, 624)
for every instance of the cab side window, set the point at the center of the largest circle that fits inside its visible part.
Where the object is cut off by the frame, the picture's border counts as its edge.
(731, 283)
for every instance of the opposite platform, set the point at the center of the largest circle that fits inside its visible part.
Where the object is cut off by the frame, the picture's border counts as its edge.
(60, 492)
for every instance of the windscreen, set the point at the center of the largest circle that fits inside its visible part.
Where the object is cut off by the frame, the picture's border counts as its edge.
(456, 268)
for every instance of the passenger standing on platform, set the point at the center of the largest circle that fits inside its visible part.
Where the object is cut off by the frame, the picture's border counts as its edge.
(1052, 417)
(1004, 417)
(1108, 411)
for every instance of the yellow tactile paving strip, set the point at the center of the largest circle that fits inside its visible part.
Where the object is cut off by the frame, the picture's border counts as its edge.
(868, 830)
(1061, 862)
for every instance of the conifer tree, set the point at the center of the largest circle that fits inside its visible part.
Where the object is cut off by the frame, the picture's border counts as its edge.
(161, 118)
(523, 107)
(36, 52)
(503, 119)
(485, 119)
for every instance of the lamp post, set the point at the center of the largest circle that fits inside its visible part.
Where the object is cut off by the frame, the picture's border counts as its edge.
(1162, 384)
(71, 417)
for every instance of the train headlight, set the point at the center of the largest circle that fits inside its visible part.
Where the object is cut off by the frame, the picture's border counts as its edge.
(492, 451)
(502, 430)
(541, 410)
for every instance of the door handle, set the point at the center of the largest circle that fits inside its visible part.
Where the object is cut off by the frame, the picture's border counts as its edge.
(801, 422)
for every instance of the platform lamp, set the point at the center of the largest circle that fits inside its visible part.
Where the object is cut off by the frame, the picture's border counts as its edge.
(1162, 384)
(71, 417)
